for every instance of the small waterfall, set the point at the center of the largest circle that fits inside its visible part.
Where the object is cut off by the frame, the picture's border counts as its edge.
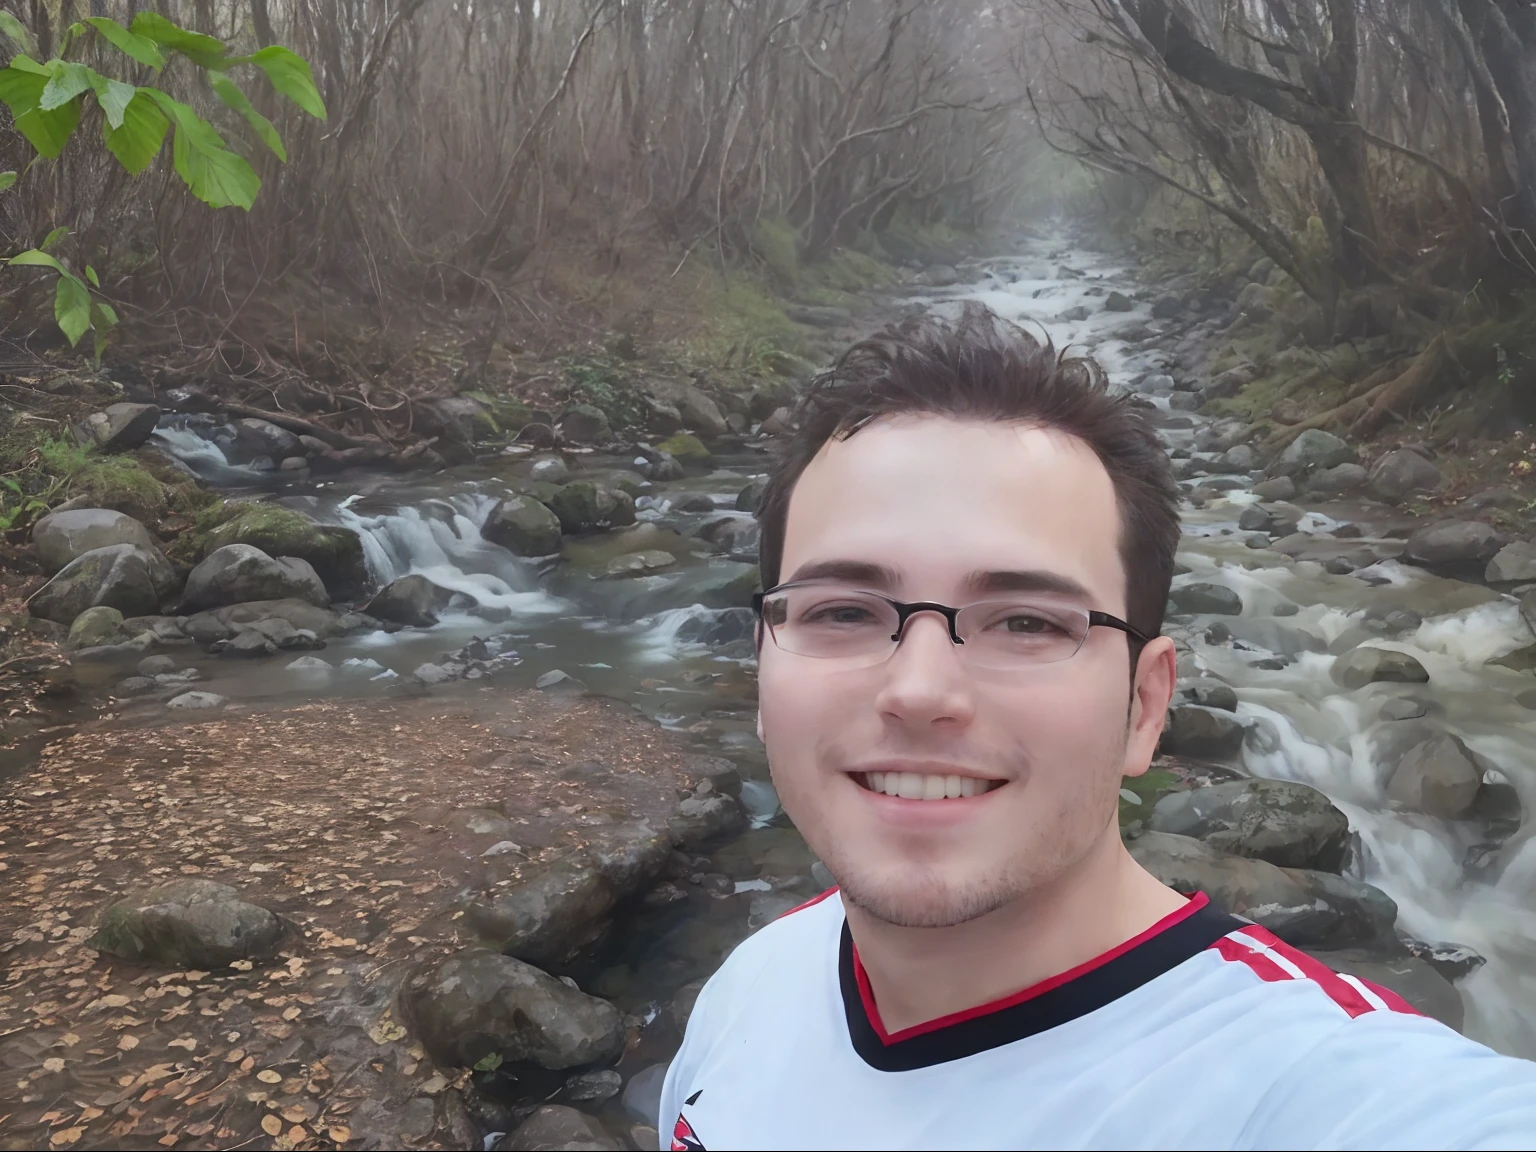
(204, 457)
(439, 538)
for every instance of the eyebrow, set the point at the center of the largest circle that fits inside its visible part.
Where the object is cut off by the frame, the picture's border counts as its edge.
(979, 582)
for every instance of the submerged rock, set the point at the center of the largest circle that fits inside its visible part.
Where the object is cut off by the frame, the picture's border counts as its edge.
(479, 1002)
(1286, 823)
(189, 923)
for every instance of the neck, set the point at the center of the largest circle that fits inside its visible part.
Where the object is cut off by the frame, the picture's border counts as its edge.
(922, 974)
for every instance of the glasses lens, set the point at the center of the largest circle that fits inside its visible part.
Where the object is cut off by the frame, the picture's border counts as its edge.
(1017, 634)
(830, 622)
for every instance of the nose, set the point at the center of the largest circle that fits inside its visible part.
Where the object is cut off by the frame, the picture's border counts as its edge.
(925, 682)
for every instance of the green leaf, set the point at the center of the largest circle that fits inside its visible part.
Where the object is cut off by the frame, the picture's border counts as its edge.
(290, 75)
(6, 180)
(103, 315)
(22, 83)
(90, 274)
(143, 130)
(72, 307)
(141, 48)
(217, 176)
(114, 97)
(17, 32)
(489, 1062)
(34, 257)
(54, 237)
(226, 90)
(200, 49)
(69, 80)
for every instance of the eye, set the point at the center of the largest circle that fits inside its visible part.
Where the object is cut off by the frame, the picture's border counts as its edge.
(1029, 625)
(839, 614)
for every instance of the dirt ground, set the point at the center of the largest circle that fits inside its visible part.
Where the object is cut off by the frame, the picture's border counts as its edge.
(344, 817)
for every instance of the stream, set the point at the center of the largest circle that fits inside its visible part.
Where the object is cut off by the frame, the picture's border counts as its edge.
(649, 640)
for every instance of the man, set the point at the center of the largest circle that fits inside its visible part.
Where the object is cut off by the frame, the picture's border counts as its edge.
(967, 549)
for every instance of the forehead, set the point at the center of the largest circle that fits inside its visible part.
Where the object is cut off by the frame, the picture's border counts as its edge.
(937, 498)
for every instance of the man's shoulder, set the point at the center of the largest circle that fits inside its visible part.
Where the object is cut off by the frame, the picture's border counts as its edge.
(798, 941)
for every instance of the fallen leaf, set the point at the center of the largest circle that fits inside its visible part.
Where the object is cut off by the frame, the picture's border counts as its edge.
(267, 1076)
(241, 965)
(127, 1043)
(112, 1001)
(340, 1133)
(248, 1063)
(292, 1013)
(386, 1031)
(182, 1042)
(435, 1084)
(296, 1113)
(169, 1140)
(198, 1130)
(90, 1114)
(195, 975)
(234, 1056)
(69, 1039)
(298, 1134)
(53, 1064)
(65, 1137)
(271, 1125)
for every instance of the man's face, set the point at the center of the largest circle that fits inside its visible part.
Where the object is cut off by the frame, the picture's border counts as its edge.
(937, 501)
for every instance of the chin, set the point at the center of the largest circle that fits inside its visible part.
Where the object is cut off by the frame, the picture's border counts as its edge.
(912, 897)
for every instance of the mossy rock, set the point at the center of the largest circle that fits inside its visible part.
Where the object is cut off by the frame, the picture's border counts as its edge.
(336, 554)
(685, 447)
(583, 506)
(508, 414)
(124, 485)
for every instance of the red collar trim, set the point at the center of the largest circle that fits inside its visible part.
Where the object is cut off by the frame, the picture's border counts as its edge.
(866, 994)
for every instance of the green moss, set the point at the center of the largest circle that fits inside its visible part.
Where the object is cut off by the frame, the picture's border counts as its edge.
(336, 554)
(685, 447)
(123, 484)
(1148, 788)
(776, 243)
(508, 415)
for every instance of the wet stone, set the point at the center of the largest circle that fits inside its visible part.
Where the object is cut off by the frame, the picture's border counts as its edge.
(1207, 598)
(556, 1128)
(642, 1095)
(559, 682)
(1403, 708)
(593, 1087)
(190, 923)
(1376, 665)
(195, 700)
(1281, 821)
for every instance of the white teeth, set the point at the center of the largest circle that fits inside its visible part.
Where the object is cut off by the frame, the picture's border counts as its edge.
(920, 786)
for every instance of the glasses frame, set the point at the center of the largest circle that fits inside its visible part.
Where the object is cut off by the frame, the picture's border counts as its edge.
(905, 610)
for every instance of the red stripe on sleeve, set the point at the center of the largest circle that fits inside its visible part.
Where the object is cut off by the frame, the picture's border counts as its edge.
(1339, 991)
(1266, 969)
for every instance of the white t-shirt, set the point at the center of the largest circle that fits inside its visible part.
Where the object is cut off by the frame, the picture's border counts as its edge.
(1203, 1032)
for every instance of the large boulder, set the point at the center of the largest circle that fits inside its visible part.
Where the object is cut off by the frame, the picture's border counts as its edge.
(584, 424)
(1312, 451)
(1404, 473)
(240, 573)
(134, 580)
(1193, 730)
(1438, 777)
(478, 1003)
(64, 536)
(697, 820)
(120, 427)
(1339, 479)
(335, 553)
(524, 526)
(412, 600)
(558, 909)
(1371, 665)
(582, 506)
(1515, 563)
(1452, 543)
(1305, 908)
(694, 407)
(458, 423)
(557, 1128)
(187, 923)
(1285, 823)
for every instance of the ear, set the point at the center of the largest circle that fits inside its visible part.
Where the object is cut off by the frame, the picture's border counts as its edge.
(1151, 693)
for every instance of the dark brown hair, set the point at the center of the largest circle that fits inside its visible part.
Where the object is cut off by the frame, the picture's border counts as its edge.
(983, 368)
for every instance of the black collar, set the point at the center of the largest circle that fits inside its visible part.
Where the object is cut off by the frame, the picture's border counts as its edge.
(1074, 993)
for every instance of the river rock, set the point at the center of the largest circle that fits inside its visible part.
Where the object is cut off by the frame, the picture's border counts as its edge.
(130, 578)
(1305, 908)
(1209, 692)
(120, 427)
(276, 619)
(1452, 542)
(584, 424)
(687, 996)
(1336, 480)
(640, 563)
(240, 573)
(1313, 451)
(593, 1087)
(411, 600)
(556, 1128)
(1514, 563)
(549, 470)
(1204, 732)
(1438, 777)
(479, 1002)
(458, 422)
(1403, 473)
(748, 499)
(694, 407)
(1118, 302)
(255, 438)
(1276, 488)
(195, 701)
(536, 433)
(558, 682)
(700, 819)
(335, 553)
(64, 536)
(95, 627)
(1402, 708)
(1239, 458)
(559, 908)
(1283, 822)
(582, 506)
(187, 923)
(642, 1095)
(1217, 599)
(523, 526)
(1369, 665)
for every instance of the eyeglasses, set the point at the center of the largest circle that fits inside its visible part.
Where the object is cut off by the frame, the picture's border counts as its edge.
(836, 622)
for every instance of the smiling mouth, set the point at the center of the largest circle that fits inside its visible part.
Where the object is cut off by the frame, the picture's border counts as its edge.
(922, 786)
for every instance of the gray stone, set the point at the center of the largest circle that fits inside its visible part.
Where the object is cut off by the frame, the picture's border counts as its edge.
(156, 666)
(64, 536)
(276, 619)
(549, 470)
(640, 563)
(121, 427)
(524, 526)
(432, 674)
(479, 1002)
(1283, 822)
(1076, 314)
(1338, 479)
(582, 506)
(134, 686)
(697, 411)
(1207, 598)
(698, 820)
(1185, 401)
(1312, 451)
(411, 600)
(593, 1087)
(188, 923)
(1403, 473)
(1276, 488)
(748, 499)
(1211, 693)
(1118, 302)
(335, 553)
(95, 627)
(559, 683)
(132, 579)
(1438, 777)
(584, 424)
(255, 438)
(1305, 908)
(1239, 458)
(1514, 562)
(563, 906)
(1369, 665)
(556, 1128)
(1403, 708)
(458, 422)
(241, 573)
(642, 1095)
(189, 701)
(1452, 542)
(661, 417)
(1192, 730)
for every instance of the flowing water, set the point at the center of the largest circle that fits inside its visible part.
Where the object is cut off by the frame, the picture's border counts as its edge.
(643, 640)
